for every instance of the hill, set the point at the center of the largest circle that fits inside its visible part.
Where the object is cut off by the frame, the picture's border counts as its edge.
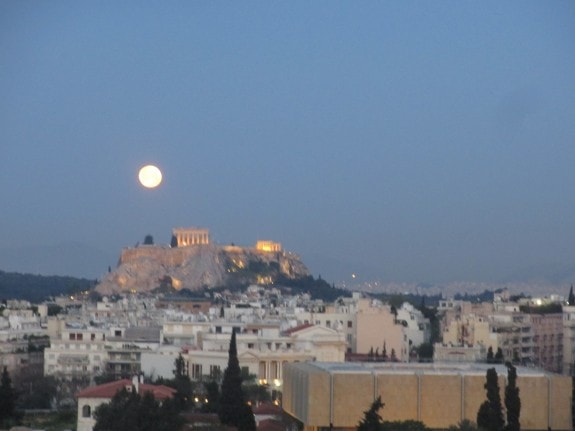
(147, 267)
(38, 288)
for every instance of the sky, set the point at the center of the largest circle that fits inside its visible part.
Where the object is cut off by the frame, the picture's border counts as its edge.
(404, 141)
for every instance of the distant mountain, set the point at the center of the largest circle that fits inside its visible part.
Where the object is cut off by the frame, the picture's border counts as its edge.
(38, 288)
(552, 273)
(68, 259)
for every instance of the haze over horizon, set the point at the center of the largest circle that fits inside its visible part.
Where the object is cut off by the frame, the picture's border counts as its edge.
(402, 141)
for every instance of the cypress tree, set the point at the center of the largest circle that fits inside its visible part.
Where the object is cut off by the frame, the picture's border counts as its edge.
(490, 414)
(512, 400)
(234, 410)
(571, 298)
(7, 400)
(499, 356)
(371, 419)
(490, 357)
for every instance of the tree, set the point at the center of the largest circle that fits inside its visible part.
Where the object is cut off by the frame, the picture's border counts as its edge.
(490, 414)
(408, 425)
(182, 383)
(425, 352)
(464, 425)
(8, 414)
(490, 358)
(499, 356)
(213, 397)
(174, 242)
(234, 410)
(149, 240)
(571, 298)
(512, 400)
(371, 420)
(132, 411)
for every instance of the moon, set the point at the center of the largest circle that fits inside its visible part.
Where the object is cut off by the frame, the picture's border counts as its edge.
(150, 176)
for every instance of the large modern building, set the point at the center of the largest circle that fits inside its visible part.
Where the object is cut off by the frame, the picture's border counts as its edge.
(334, 396)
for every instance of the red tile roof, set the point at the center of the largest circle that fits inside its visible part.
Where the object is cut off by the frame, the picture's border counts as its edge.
(108, 390)
(267, 409)
(270, 425)
(298, 328)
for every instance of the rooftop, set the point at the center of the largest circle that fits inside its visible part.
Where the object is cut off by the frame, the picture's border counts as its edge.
(421, 368)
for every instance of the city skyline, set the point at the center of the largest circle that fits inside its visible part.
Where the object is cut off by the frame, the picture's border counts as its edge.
(397, 141)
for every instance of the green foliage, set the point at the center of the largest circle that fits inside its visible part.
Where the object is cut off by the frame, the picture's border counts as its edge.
(425, 351)
(8, 396)
(148, 240)
(129, 411)
(256, 393)
(490, 358)
(464, 425)
(38, 288)
(512, 400)
(490, 414)
(104, 378)
(409, 425)
(213, 396)
(52, 421)
(234, 410)
(317, 288)
(541, 309)
(571, 297)
(371, 420)
(39, 394)
(182, 383)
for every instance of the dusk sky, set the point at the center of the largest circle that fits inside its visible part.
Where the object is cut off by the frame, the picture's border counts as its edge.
(398, 140)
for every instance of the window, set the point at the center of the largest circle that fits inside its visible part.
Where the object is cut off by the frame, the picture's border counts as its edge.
(86, 411)
(349, 324)
(250, 345)
(92, 337)
(328, 323)
(79, 337)
(72, 336)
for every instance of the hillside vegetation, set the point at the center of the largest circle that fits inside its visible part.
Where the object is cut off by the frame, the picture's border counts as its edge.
(38, 288)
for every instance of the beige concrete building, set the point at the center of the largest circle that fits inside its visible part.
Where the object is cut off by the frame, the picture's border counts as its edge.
(368, 325)
(331, 396)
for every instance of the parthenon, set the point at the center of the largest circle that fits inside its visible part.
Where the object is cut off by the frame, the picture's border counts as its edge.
(186, 236)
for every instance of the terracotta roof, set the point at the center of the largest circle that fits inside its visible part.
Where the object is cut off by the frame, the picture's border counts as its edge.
(108, 390)
(298, 328)
(267, 409)
(270, 425)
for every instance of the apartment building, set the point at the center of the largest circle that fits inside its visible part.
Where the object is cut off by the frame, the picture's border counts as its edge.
(371, 326)
(80, 352)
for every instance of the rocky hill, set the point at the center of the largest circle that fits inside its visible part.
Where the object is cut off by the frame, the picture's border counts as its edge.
(147, 267)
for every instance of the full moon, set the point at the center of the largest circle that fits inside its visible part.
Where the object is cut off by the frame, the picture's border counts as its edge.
(150, 176)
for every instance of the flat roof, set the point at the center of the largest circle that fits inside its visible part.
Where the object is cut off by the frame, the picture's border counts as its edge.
(422, 368)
